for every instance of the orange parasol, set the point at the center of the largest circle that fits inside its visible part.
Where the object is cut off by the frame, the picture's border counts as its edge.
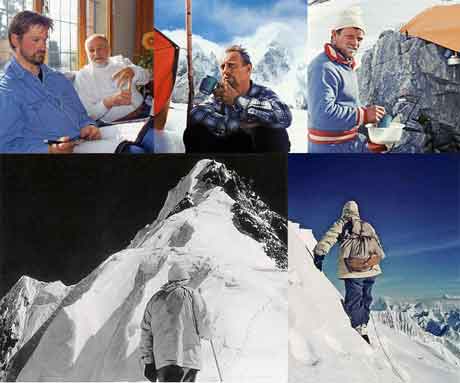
(165, 59)
(439, 24)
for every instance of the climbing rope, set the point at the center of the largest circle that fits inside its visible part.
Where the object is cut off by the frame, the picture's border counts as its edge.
(395, 370)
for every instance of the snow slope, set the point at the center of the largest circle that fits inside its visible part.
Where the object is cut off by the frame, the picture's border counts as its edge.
(324, 348)
(95, 334)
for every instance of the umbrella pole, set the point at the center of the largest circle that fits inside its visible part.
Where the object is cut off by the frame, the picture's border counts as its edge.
(188, 27)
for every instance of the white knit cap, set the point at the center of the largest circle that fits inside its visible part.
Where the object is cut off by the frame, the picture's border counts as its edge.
(177, 272)
(350, 18)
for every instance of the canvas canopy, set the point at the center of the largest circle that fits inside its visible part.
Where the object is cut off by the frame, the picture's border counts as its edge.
(439, 24)
(165, 58)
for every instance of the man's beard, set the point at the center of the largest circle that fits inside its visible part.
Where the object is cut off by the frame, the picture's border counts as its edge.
(37, 58)
(100, 64)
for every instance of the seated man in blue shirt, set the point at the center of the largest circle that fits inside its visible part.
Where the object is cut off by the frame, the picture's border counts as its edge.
(38, 103)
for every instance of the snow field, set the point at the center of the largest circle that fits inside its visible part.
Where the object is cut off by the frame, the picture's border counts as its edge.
(95, 337)
(324, 348)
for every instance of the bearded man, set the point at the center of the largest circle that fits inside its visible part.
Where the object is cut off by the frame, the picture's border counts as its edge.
(38, 105)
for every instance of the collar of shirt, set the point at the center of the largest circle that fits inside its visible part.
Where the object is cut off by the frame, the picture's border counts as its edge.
(21, 72)
(334, 55)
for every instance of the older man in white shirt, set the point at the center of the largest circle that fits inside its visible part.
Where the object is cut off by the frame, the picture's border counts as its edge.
(107, 85)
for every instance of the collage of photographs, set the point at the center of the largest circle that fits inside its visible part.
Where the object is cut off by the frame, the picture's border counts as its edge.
(259, 191)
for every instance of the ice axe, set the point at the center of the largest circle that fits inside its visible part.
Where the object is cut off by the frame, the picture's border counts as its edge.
(215, 359)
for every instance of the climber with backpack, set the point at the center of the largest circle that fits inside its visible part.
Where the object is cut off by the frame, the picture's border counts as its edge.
(358, 264)
(175, 319)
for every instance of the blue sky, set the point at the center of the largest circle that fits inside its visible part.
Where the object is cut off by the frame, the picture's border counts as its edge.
(412, 201)
(222, 20)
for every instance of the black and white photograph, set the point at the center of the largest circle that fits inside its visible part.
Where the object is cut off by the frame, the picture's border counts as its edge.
(173, 266)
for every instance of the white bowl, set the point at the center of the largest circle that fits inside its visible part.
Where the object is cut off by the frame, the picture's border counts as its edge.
(385, 136)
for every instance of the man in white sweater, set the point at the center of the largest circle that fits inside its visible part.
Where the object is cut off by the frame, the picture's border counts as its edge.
(107, 85)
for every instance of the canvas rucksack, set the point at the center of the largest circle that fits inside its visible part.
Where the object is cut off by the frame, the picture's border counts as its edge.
(361, 248)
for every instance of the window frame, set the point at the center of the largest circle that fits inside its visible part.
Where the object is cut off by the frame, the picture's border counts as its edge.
(144, 17)
(82, 25)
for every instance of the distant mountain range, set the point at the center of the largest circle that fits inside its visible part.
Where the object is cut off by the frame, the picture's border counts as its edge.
(278, 62)
(430, 320)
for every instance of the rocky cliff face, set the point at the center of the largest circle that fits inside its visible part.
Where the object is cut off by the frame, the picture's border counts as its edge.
(274, 65)
(203, 65)
(411, 76)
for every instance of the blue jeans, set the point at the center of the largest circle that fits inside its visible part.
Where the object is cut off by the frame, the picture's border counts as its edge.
(358, 299)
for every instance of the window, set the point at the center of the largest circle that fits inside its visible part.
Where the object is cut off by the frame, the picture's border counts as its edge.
(63, 41)
(96, 17)
(73, 21)
(8, 8)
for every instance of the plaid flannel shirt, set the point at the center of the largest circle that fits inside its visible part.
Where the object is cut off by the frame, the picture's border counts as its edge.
(259, 105)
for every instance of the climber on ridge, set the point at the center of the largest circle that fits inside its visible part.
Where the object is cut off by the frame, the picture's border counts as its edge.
(175, 319)
(359, 257)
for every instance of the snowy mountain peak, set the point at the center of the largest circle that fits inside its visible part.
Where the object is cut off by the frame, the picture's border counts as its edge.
(434, 321)
(26, 287)
(23, 310)
(251, 215)
(274, 65)
(234, 247)
(277, 55)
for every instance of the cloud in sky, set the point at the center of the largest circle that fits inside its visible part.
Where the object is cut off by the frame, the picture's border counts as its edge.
(244, 20)
(222, 20)
(409, 250)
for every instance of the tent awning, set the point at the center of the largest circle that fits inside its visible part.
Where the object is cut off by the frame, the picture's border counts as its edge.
(439, 24)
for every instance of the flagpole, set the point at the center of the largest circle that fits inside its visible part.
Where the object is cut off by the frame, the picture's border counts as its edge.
(188, 27)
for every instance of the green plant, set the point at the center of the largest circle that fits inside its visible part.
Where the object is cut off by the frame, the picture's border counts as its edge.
(145, 60)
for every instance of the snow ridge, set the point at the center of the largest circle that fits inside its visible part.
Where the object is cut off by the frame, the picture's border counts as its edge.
(324, 348)
(94, 333)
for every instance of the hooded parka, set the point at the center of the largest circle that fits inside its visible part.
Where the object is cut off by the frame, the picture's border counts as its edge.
(175, 319)
(350, 212)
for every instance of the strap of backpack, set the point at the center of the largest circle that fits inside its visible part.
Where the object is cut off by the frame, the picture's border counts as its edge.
(346, 227)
